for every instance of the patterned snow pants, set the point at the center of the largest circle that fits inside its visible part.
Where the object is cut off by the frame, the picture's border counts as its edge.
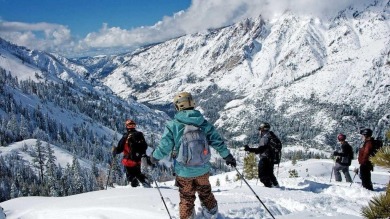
(188, 187)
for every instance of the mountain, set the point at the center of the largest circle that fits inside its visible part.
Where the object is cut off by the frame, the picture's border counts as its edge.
(310, 77)
(52, 99)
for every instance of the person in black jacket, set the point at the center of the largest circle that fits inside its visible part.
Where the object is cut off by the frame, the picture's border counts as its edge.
(344, 158)
(266, 165)
(133, 146)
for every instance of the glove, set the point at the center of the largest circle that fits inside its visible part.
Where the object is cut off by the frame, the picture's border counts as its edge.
(149, 162)
(335, 153)
(113, 151)
(230, 160)
(246, 147)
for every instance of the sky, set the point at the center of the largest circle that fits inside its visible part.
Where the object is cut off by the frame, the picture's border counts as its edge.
(85, 27)
(313, 194)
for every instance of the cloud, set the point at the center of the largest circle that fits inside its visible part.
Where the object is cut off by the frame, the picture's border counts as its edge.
(201, 15)
(43, 36)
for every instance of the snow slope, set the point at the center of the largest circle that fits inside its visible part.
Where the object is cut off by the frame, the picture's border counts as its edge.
(311, 195)
(63, 157)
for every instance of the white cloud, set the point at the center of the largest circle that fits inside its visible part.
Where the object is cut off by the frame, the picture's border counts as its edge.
(43, 36)
(201, 15)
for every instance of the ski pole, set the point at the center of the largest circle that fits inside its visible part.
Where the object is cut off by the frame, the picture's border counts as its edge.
(254, 193)
(109, 171)
(162, 198)
(356, 172)
(353, 179)
(331, 174)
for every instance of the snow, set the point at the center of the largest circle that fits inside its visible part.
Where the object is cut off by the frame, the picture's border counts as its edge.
(63, 156)
(311, 195)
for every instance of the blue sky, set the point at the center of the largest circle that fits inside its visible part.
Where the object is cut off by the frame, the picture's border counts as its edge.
(85, 16)
(92, 27)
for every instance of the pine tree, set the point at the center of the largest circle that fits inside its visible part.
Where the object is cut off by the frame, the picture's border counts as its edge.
(52, 183)
(378, 207)
(66, 181)
(250, 166)
(77, 184)
(95, 169)
(293, 173)
(51, 158)
(39, 158)
(12, 127)
(23, 131)
(51, 172)
(14, 190)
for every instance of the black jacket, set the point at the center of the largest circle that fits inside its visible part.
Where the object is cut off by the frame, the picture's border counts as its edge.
(344, 154)
(264, 150)
(136, 142)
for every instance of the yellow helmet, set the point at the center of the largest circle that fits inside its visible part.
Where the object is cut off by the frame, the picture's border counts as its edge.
(183, 101)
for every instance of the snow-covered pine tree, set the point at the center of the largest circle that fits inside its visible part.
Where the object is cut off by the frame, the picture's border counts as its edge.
(39, 158)
(51, 158)
(77, 176)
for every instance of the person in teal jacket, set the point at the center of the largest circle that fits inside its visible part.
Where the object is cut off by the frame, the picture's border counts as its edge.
(192, 178)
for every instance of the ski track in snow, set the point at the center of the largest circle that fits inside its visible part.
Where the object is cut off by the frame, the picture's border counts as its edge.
(303, 197)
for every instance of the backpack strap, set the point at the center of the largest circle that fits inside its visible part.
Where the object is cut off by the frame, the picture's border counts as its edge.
(175, 149)
(127, 142)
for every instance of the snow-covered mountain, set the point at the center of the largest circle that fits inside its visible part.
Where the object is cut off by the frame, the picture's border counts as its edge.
(48, 97)
(310, 77)
(324, 75)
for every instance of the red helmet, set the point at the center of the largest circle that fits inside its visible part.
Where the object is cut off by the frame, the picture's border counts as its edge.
(341, 137)
(130, 123)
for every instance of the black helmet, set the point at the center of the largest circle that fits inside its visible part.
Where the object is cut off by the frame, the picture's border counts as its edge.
(366, 132)
(264, 126)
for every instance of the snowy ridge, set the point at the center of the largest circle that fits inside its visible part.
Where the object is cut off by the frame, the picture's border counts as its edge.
(309, 195)
(63, 157)
(39, 65)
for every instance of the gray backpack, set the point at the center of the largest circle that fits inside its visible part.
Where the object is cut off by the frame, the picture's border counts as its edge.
(193, 148)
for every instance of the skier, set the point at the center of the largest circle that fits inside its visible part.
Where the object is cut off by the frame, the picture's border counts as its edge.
(343, 159)
(364, 154)
(266, 153)
(192, 172)
(133, 146)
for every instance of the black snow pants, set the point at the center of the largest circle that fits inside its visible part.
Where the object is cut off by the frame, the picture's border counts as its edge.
(365, 175)
(266, 172)
(134, 174)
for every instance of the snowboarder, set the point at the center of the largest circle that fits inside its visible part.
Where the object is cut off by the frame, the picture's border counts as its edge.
(344, 158)
(266, 153)
(133, 146)
(364, 154)
(192, 172)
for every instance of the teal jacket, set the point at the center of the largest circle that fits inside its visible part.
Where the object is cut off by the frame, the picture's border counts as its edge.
(172, 135)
